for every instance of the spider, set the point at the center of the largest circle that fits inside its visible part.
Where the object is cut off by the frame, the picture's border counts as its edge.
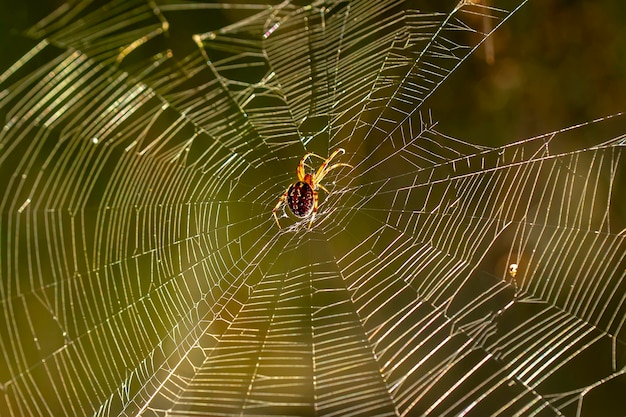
(302, 195)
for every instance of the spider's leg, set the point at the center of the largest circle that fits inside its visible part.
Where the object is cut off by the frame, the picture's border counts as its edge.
(323, 188)
(323, 174)
(322, 169)
(314, 208)
(303, 164)
(315, 155)
(280, 201)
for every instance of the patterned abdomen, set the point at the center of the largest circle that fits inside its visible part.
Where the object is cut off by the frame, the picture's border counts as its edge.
(300, 199)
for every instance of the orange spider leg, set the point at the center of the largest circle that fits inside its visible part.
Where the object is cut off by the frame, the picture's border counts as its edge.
(319, 178)
(303, 164)
(327, 161)
(314, 208)
(321, 172)
(280, 201)
(323, 188)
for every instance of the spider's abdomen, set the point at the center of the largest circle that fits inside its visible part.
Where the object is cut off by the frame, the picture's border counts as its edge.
(300, 199)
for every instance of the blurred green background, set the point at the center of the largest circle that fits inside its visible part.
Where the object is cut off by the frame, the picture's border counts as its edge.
(556, 63)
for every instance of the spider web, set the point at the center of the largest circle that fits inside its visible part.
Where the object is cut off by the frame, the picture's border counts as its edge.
(144, 146)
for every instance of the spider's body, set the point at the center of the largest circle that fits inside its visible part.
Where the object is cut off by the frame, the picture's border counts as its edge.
(302, 196)
(300, 199)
